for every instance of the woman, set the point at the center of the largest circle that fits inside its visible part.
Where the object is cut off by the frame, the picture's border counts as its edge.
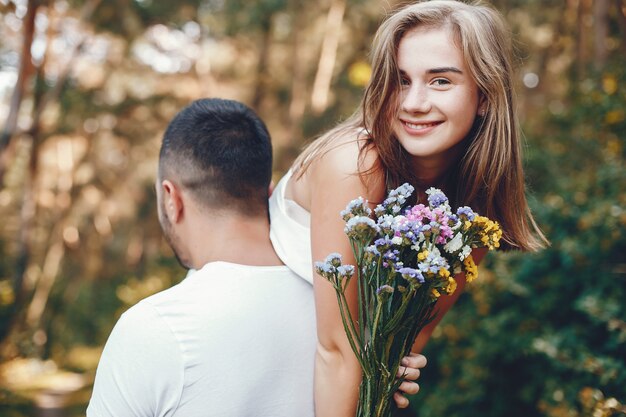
(438, 111)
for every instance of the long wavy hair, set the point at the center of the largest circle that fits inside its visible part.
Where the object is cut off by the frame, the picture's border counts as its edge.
(489, 175)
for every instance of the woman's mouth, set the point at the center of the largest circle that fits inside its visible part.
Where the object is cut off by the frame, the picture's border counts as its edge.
(419, 126)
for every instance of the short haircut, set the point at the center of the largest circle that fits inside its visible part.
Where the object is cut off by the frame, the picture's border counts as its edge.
(221, 152)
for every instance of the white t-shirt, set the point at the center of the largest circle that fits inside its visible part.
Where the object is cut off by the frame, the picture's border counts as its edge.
(230, 340)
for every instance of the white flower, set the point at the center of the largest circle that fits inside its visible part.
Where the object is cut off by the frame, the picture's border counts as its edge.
(418, 246)
(361, 227)
(397, 240)
(356, 207)
(454, 244)
(435, 252)
(345, 271)
(465, 252)
(386, 223)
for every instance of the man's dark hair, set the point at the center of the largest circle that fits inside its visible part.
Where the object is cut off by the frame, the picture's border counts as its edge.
(221, 151)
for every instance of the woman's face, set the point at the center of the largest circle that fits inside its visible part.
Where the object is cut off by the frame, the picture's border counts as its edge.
(438, 100)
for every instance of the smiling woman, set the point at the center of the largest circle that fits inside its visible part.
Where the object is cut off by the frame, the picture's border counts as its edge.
(438, 112)
(438, 101)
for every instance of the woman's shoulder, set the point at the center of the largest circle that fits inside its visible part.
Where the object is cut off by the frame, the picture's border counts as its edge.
(349, 152)
(351, 160)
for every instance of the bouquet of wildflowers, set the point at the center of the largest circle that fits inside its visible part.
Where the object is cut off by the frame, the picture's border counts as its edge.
(406, 258)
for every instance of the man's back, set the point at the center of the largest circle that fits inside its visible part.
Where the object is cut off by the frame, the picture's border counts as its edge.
(230, 340)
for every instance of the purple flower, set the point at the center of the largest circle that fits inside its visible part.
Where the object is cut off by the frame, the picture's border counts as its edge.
(436, 197)
(371, 255)
(391, 259)
(333, 259)
(387, 223)
(466, 212)
(383, 243)
(372, 250)
(433, 263)
(355, 208)
(324, 269)
(361, 227)
(391, 255)
(384, 291)
(345, 271)
(411, 274)
(384, 288)
(402, 193)
(395, 200)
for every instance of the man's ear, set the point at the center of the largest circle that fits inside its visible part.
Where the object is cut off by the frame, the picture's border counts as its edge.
(270, 188)
(172, 201)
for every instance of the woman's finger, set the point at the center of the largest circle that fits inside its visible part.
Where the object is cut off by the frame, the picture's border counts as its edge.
(414, 360)
(401, 400)
(408, 373)
(409, 387)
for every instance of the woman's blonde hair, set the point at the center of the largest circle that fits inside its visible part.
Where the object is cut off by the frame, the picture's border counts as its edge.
(489, 176)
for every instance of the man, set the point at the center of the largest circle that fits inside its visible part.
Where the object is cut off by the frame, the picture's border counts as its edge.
(237, 337)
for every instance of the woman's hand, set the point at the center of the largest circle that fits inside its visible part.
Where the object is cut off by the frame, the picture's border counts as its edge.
(410, 371)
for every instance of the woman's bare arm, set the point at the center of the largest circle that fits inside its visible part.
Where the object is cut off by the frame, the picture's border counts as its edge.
(333, 183)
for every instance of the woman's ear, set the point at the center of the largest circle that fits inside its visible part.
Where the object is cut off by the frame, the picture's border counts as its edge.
(172, 201)
(482, 105)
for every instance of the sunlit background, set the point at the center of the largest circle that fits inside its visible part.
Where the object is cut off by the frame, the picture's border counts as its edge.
(87, 88)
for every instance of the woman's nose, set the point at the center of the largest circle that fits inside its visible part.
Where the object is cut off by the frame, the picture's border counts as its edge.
(416, 100)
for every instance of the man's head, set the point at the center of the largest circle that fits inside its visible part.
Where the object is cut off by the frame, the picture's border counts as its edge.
(216, 154)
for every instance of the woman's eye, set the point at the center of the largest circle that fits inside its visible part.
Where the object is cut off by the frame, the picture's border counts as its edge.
(405, 81)
(441, 82)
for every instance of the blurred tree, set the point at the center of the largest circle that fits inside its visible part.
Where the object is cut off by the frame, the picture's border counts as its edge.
(24, 74)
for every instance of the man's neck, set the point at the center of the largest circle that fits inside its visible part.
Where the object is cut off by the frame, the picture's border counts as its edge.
(231, 238)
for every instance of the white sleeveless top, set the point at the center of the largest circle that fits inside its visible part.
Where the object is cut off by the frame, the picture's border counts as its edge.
(290, 231)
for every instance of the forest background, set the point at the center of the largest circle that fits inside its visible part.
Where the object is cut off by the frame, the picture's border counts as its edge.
(88, 86)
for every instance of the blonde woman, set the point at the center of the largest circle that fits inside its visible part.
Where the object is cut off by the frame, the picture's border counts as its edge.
(439, 111)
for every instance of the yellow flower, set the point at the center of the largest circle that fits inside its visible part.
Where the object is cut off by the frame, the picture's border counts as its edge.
(444, 273)
(434, 293)
(489, 232)
(422, 255)
(451, 287)
(471, 271)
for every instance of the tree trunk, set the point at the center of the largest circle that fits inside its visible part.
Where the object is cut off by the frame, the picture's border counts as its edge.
(621, 20)
(581, 39)
(601, 32)
(51, 266)
(297, 105)
(262, 73)
(328, 56)
(24, 74)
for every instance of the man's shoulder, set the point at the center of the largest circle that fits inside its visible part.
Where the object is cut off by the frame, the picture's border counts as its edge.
(135, 318)
(141, 366)
(204, 291)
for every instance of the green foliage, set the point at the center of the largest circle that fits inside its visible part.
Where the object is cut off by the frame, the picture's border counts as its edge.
(552, 334)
